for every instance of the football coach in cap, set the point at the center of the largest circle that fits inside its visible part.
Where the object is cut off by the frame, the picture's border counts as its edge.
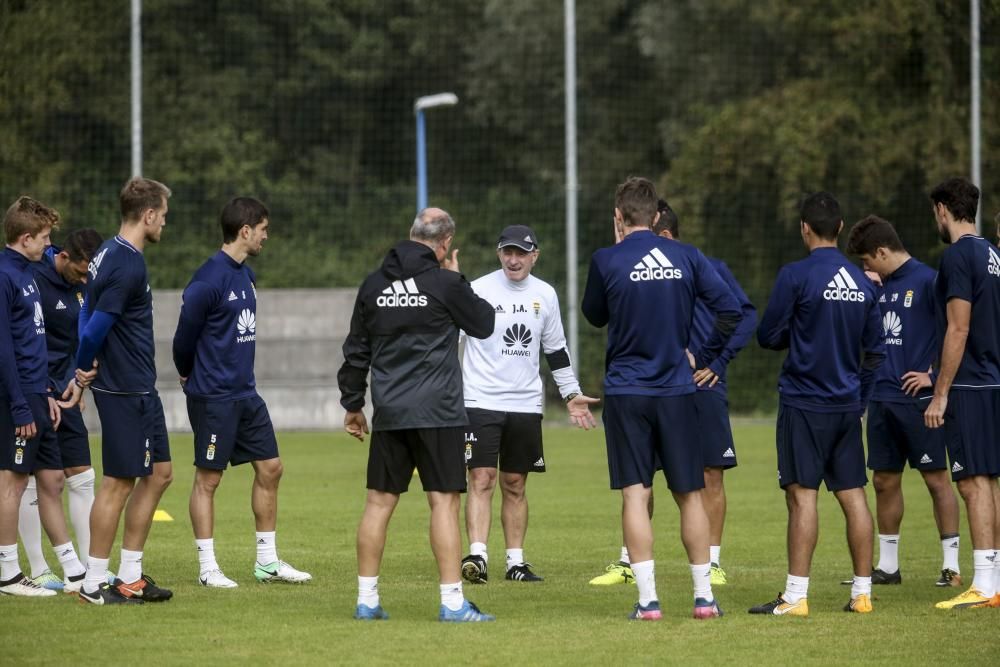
(405, 330)
(505, 418)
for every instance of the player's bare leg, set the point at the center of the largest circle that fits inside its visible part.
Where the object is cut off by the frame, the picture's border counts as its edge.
(201, 505)
(478, 519)
(514, 516)
(379, 507)
(803, 528)
(264, 495)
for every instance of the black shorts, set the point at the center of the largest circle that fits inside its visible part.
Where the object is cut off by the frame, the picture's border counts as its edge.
(512, 440)
(231, 432)
(897, 434)
(74, 441)
(816, 447)
(972, 432)
(26, 456)
(437, 453)
(716, 434)
(641, 429)
(133, 433)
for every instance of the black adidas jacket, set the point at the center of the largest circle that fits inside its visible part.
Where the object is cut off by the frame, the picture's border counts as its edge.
(405, 329)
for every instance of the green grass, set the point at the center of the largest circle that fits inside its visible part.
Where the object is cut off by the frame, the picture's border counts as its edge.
(574, 533)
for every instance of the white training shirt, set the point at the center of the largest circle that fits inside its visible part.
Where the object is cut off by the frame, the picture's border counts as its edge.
(501, 372)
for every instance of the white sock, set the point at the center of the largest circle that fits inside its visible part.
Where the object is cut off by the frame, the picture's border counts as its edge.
(267, 548)
(130, 569)
(861, 586)
(97, 573)
(645, 577)
(714, 552)
(479, 549)
(701, 577)
(368, 591)
(982, 562)
(996, 572)
(68, 560)
(796, 588)
(29, 527)
(949, 548)
(515, 557)
(452, 597)
(9, 567)
(888, 553)
(206, 555)
(81, 498)
(624, 557)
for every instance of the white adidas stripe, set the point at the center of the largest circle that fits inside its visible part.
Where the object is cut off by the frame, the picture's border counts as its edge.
(848, 279)
(837, 282)
(654, 260)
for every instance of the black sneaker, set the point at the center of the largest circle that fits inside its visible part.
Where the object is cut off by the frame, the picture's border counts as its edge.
(779, 607)
(949, 578)
(880, 578)
(522, 572)
(474, 569)
(107, 594)
(144, 588)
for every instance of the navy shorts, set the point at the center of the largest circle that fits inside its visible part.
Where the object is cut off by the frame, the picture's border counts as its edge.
(897, 434)
(816, 447)
(717, 447)
(641, 429)
(74, 441)
(438, 454)
(512, 440)
(972, 432)
(133, 433)
(231, 432)
(27, 456)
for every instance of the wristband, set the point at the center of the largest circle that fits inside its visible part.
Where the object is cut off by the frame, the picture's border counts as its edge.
(571, 396)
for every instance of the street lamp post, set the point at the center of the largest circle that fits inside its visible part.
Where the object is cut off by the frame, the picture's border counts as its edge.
(422, 103)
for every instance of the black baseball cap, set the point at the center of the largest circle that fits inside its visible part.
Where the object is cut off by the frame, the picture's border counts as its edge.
(520, 236)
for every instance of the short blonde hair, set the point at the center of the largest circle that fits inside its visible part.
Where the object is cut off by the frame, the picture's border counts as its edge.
(140, 194)
(28, 216)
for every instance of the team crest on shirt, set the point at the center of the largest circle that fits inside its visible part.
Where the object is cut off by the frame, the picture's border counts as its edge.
(908, 299)
(210, 453)
(79, 298)
(146, 463)
(537, 307)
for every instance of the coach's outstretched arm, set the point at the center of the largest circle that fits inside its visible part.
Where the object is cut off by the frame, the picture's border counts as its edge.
(473, 314)
(774, 331)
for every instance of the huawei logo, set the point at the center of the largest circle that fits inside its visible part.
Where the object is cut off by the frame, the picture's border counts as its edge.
(517, 334)
(246, 325)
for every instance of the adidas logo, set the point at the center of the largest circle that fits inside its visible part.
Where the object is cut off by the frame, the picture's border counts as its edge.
(65, 552)
(654, 266)
(843, 288)
(957, 467)
(540, 462)
(515, 335)
(60, 305)
(401, 294)
(729, 454)
(499, 309)
(232, 296)
(953, 545)
(925, 459)
(246, 325)
(262, 541)
(994, 266)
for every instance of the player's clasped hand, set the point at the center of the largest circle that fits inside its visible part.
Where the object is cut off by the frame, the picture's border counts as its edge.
(579, 411)
(356, 424)
(26, 431)
(914, 381)
(703, 375)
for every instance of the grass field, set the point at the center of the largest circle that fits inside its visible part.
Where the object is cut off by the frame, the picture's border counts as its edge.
(574, 532)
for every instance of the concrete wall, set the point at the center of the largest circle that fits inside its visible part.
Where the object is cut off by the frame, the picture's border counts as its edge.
(300, 333)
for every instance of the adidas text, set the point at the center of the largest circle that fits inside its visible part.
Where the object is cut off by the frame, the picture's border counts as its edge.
(402, 300)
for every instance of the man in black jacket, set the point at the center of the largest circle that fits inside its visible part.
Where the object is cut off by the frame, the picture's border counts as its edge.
(405, 330)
